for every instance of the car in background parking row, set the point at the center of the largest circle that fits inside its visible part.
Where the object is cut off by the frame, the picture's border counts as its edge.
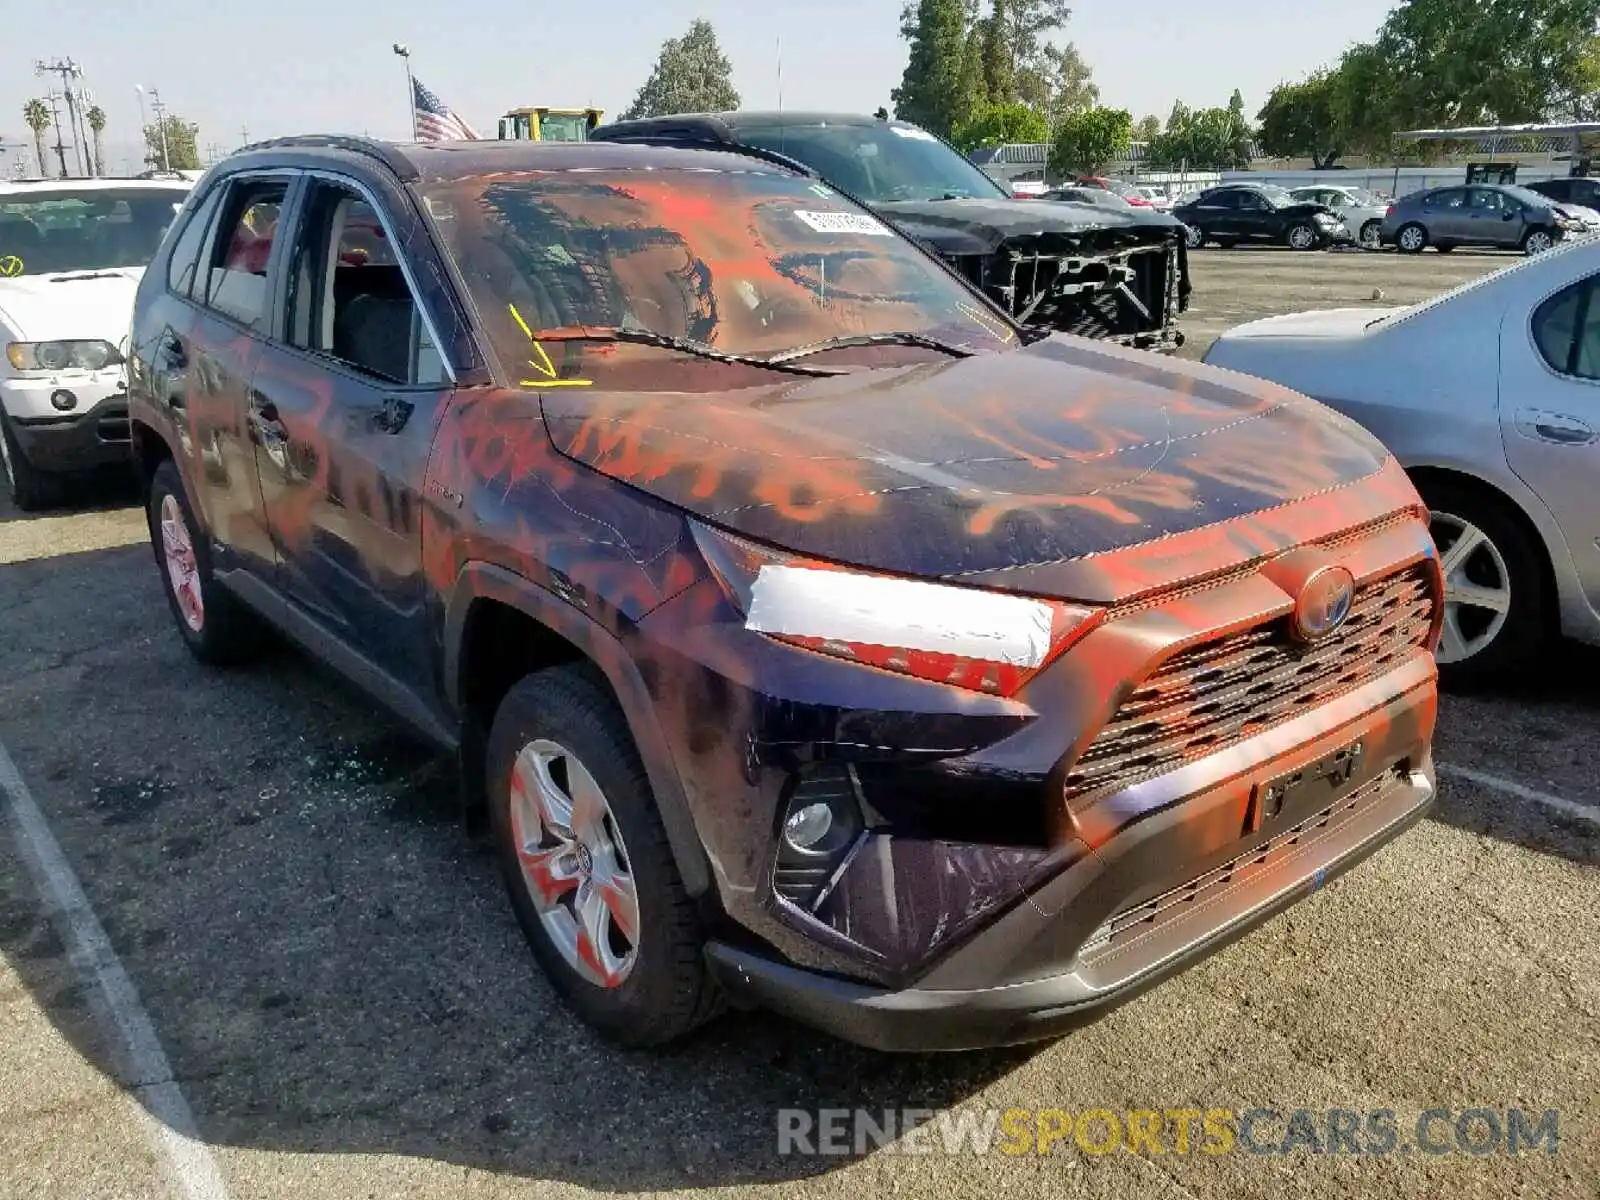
(1490, 396)
(1115, 275)
(1361, 211)
(1259, 212)
(1497, 215)
(71, 255)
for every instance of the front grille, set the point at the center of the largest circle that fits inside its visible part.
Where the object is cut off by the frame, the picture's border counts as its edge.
(1149, 915)
(1212, 695)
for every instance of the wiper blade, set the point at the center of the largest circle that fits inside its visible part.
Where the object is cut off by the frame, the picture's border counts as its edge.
(869, 339)
(648, 337)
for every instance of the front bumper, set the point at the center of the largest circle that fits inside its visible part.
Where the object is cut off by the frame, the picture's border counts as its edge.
(94, 433)
(1138, 946)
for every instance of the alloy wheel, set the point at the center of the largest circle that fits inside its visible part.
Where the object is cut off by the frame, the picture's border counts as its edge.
(1477, 587)
(1302, 237)
(1411, 238)
(1194, 236)
(574, 863)
(1538, 242)
(183, 572)
(1371, 235)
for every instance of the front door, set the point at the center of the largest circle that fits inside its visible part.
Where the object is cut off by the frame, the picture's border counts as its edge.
(1496, 218)
(217, 353)
(1550, 414)
(1446, 217)
(345, 406)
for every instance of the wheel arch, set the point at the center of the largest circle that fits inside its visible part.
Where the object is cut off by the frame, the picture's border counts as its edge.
(489, 600)
(150, 450)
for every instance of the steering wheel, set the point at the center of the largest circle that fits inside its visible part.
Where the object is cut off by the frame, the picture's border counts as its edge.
(10, 265)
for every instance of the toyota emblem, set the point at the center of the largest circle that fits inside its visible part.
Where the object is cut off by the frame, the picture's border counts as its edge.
(1323, 604)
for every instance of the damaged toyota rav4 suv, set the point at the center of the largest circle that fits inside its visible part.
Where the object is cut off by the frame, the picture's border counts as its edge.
(807, 639)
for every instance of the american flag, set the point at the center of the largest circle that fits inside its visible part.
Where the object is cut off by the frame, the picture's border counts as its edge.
(435, 121)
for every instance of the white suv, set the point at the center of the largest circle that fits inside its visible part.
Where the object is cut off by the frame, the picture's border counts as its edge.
(71, 255)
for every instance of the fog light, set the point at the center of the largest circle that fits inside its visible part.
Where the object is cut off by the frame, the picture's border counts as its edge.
(63, 401)
(807, 826)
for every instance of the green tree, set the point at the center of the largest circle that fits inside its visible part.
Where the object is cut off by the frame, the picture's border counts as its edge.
(1069, 85)
(1148, 129)
(37, 115)
(1086, 142)
(1473, 62)
(972, 92)
(999, 125)
(96, 117)
(1240, 136)
(930, 89)
(691, 74)
(182, 144)
(999, 73)
(1205, 138)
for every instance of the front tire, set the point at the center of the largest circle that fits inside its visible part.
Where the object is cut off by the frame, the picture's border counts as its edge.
(1370, 236)
(1537, 241)
(1301, 237)
(1496, 596)
(217, 628)
(1411, 239)
(30, 488)
(586, 860)
(1195, 236)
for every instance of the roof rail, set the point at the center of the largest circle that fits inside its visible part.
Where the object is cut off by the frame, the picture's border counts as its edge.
(384, 152)
(677, 143)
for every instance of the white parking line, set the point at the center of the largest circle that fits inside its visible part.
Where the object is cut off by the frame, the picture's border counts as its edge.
(158, 1101)
(1584, 812)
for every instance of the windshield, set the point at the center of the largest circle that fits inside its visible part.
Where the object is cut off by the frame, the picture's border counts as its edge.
(747, 261)
(45, 232)
(1277, 196)
(564, 127)
(879, 162)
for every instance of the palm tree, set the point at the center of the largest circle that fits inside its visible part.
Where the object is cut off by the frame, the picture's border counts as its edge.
(37, 114)
(96, 116)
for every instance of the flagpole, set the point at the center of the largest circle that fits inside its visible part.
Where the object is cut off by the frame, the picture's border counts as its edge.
(404, 52)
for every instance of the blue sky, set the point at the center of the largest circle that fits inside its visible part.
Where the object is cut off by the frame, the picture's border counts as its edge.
(325, 65)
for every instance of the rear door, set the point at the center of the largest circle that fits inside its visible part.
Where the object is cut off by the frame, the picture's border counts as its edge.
(346, 403)
(1444, 214)
(1496, 218)
(1550, 412)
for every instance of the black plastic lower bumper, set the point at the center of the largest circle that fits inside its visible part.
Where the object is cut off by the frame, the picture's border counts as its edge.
(933, 1019)
(96, 437)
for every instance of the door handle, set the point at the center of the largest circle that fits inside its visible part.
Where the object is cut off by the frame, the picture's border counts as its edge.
(1554, 427)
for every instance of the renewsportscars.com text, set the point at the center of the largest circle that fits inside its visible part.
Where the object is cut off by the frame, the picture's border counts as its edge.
(1213, 1131)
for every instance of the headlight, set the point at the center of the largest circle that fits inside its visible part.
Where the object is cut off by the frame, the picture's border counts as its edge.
(1325, 219)
(61, 356)
(967, 638)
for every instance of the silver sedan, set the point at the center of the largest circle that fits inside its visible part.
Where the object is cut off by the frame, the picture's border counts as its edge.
(1490, 397)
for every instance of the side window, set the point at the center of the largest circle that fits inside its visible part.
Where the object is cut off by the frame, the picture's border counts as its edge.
(1223, 200)
(1566, 328)
(237, 276)
(186, 252)
(349, 298)
(1449, 198)
(1251, 202)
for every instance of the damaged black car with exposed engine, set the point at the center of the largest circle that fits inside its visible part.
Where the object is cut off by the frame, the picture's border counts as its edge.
(1119, 275)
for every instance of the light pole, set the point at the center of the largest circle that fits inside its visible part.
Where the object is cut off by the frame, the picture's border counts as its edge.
(404, 52)
(144, 125)
(161, 124)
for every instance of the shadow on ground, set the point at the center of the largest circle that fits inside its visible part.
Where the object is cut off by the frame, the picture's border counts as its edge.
(328, 958)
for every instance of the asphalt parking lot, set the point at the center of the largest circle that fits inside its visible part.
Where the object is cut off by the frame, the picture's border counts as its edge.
(289, 972)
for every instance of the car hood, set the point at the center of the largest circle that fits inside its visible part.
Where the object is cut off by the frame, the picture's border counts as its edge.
(1317, 323)
(981, 226)
(71, 304)
(993, 469)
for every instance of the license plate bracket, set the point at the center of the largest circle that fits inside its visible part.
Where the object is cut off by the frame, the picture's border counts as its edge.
(1298, 790)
